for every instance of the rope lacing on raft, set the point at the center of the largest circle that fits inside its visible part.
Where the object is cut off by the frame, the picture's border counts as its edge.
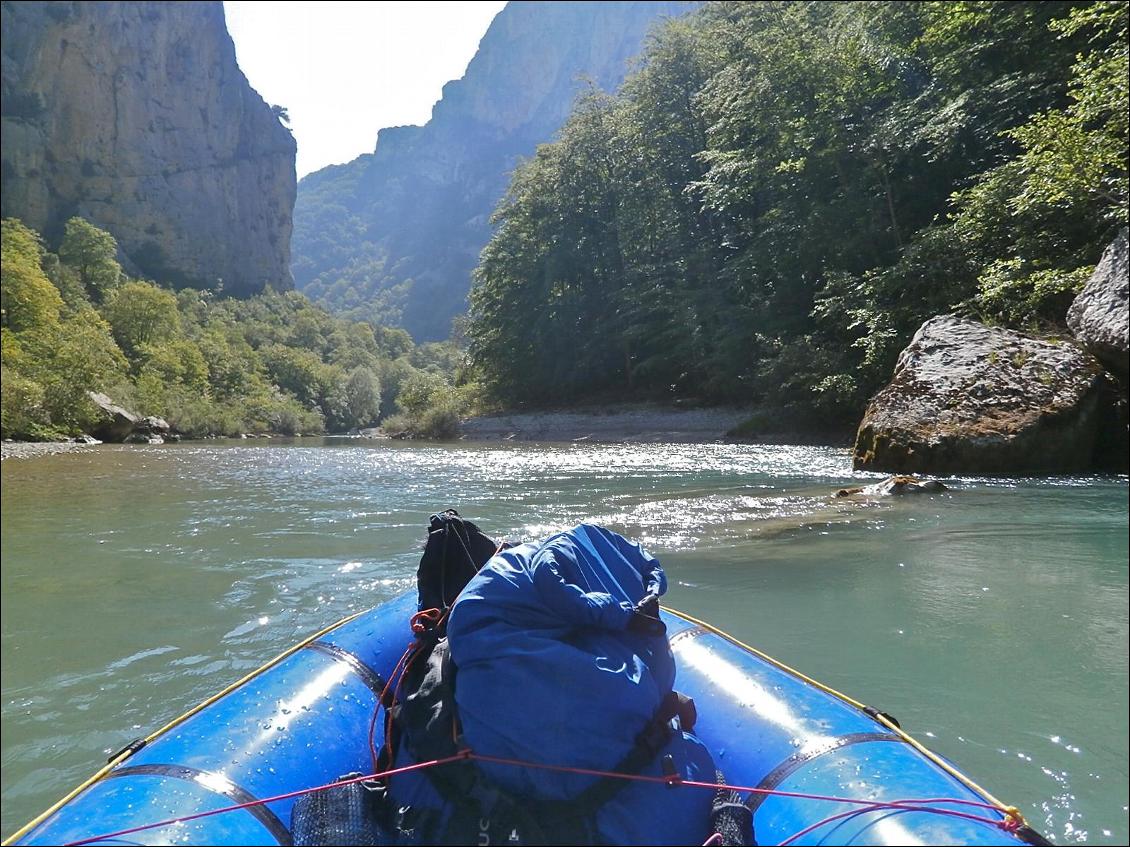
(1011, 822)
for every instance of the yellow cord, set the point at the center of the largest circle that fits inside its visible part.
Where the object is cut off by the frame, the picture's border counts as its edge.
(125, 754)
(1010, 811)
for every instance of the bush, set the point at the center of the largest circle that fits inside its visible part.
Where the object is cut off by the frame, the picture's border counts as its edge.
(431, 409)
(210, 366)
(22, 413)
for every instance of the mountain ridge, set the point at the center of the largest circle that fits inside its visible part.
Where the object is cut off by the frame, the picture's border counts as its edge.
(394, 234)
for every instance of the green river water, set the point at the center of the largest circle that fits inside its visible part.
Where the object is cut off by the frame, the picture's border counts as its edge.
(991, 620)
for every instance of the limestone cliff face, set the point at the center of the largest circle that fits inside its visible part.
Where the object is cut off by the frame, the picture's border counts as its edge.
(403, 227)
(137, 117)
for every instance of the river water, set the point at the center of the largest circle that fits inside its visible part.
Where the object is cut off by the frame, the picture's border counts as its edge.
(991, 620)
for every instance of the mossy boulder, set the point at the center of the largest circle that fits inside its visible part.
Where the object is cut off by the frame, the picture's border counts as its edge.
(971, 399)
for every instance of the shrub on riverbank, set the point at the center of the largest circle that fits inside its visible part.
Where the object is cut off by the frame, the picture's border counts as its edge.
(432, 407)
(74, 322)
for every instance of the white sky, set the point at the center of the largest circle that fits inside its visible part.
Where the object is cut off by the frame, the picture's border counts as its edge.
(344, 70)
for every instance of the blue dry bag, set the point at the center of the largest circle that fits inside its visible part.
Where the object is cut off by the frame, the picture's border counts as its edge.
(551, 672)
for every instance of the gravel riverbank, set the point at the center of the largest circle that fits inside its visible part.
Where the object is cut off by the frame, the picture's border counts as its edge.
(28, 449)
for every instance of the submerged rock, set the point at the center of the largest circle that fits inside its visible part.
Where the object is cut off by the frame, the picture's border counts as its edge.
(896, 485)
(1100, 315)
(970, 399)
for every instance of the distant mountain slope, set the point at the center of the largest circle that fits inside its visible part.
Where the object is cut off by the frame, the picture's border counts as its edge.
(396, 233)
(136, 117)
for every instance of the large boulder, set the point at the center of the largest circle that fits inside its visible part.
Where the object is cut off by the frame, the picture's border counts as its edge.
(152, 425)
(1100, 315)
(114, 423)
(971, 399)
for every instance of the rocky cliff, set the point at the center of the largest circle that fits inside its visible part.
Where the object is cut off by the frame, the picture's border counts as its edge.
(395, 234)
(1100, 315)
(136, 117)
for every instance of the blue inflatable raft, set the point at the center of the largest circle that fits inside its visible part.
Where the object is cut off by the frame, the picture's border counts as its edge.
(301, 720)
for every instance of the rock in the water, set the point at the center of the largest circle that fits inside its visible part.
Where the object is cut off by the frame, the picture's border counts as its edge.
(152, 425)
(1100, 315)
(896, 485)
(142, 438)
(970, 399)
(83, 438)
(115, 423)
(136, 117)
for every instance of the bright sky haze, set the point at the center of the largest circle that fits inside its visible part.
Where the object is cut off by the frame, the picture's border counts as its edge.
(344, 70)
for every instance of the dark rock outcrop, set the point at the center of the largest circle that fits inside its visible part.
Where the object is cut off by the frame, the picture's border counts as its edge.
(142, 438)
(121, 426)
(1100, 315)
(402, 227)
(896, 485)
(970, 399)
(136, 117)
(152, 426)
(115, 423)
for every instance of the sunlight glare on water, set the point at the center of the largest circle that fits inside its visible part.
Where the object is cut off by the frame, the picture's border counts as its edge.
(991, 620)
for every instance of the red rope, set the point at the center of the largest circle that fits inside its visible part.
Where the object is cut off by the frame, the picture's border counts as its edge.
(1007, 823)
(380, 701)
(264, 800)
(429, 619)
(911, 805)
(772, 792)
(877, 806)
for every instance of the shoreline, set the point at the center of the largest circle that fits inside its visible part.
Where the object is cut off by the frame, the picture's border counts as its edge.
(649, 424)
(608, 424)
(31, 449)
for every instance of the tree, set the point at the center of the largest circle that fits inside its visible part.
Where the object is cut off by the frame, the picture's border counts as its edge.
(68, 359)
(142, 314)
(362, 398)
(27, 297)
(92, 253)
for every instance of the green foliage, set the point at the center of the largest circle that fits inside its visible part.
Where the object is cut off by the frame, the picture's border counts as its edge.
(140, 315)
(1013, 294)
(431, 407)
(1035, 224)
(784, 191)
(210, 366)
(91, 253)
(362, 398)
(67, 359)
(27, 297)
(22, 410)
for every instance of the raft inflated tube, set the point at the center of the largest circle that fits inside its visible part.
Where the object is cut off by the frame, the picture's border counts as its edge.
(301, 721)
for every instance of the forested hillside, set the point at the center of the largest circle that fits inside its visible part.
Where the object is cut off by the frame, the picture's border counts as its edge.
(73, 322)
(784, 191)
(393, 236)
